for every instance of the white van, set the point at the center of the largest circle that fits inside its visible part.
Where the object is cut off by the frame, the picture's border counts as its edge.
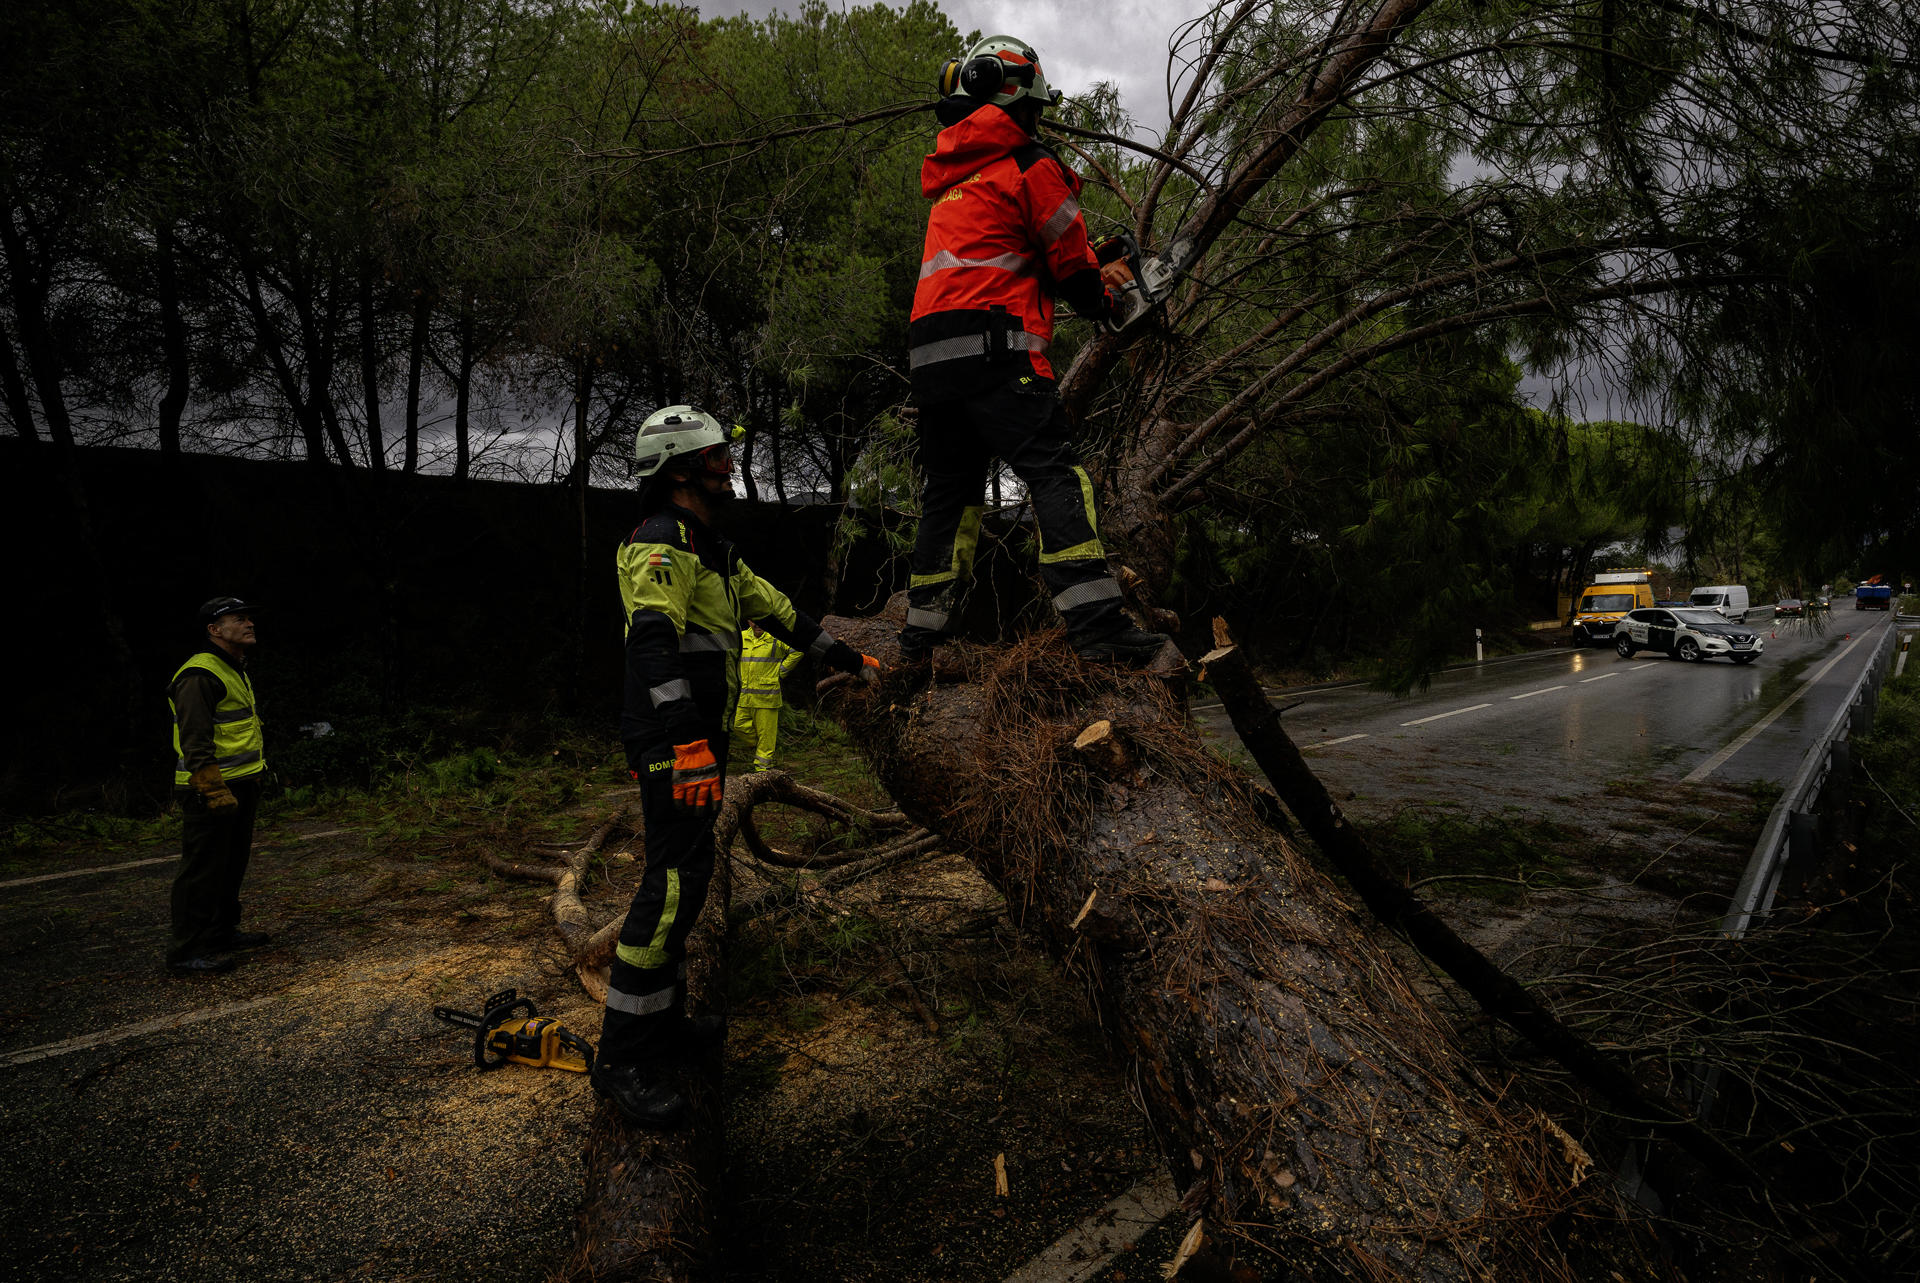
(1729, 599)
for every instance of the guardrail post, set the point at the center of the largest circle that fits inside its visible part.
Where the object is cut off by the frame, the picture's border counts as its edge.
(1803, 848)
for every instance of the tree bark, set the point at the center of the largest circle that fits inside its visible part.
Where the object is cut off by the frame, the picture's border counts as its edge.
(29, 276)
(416, 358)
(1257, 724)
(370, 368)
(463, 393)
(173, 339)
(14, 387)
(1309, 1103)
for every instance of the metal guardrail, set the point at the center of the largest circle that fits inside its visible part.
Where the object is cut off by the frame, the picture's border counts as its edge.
(1791, 837)
(1793, 828)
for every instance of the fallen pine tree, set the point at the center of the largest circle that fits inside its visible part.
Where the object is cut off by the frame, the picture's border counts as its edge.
(1311, 1106)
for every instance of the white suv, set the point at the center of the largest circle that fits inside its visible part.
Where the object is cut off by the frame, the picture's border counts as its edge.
(1685, 634)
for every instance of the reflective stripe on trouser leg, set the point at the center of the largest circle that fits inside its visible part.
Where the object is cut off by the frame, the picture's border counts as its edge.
(766, 735)
(641, 986)
(945, 540)
(763, 726)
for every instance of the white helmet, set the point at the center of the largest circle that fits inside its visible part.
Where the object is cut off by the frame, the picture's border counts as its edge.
(674, 431)
(1001, 70)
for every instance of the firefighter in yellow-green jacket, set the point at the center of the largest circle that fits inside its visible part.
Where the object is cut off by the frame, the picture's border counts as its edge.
(684, 591)
(219, 755)
(764, 660)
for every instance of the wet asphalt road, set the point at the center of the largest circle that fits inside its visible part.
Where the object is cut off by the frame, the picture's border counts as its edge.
(1546, 730)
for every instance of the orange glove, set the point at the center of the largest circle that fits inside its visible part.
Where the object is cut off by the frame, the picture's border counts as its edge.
(844, 658)
(696, 776)
(213, 789)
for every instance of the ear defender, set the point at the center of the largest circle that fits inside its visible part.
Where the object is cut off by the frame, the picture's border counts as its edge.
(982, 78)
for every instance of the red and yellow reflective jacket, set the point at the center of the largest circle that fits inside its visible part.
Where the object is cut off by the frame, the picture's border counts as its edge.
(1005, 236)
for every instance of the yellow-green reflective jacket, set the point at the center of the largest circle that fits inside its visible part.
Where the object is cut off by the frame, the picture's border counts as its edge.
(764, 660)
(239, 749)
(685, 592)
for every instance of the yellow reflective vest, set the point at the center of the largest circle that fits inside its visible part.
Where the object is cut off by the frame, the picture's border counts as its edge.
(238, 746)
(684, 591)
(764, 660)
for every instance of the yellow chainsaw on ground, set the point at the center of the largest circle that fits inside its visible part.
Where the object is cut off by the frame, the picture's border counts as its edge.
(513, 1030)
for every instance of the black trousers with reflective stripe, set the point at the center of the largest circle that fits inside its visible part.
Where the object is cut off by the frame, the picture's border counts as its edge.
(214, 846)
(644, 994)
(1020, 422)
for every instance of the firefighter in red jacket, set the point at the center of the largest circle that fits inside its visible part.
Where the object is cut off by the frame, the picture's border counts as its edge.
(1005, 238)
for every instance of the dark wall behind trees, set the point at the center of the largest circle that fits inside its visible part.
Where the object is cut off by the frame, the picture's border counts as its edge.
(397, 608)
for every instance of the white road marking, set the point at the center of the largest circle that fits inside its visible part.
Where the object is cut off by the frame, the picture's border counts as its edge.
(1544, 690)
(81, 873)
(1422, 721)
(1330, 743)
(1090, 1247)
(1719, 759)
(1601, 678)
(46, 1051)
(1637, 667)
(163, 859)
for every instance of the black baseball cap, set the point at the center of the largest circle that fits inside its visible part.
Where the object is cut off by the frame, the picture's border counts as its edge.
(224, 606)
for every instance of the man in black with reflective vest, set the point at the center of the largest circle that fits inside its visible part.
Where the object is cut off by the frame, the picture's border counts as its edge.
(218, 757)
(684, 591)
(1004, 238)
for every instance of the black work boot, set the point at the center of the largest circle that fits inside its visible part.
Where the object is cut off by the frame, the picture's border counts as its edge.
(641, 1099)
(245, 940)
(1125, 645)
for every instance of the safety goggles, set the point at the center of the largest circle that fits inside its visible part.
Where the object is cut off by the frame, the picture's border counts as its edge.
(718, 460)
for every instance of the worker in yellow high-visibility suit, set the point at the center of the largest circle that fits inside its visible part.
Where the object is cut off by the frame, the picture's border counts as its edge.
(764, 660)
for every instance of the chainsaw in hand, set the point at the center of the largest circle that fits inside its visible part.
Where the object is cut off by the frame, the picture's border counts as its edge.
(1137, 280)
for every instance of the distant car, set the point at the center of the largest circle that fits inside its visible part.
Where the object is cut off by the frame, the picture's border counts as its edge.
(1789, 606)
(1692, 635)
(1822, 602)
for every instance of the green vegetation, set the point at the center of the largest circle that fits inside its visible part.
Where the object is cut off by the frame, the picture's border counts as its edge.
(1889, 759)
(1496, 857)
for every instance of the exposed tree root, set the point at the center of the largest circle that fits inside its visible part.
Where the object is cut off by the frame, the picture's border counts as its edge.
(645, 1217)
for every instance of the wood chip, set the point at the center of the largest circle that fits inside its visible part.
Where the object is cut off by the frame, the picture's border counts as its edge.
(1222, 635)
(1189, 1247)
(1085, 909)
(1215, 656)
(1094, 733)
(1000, 1186)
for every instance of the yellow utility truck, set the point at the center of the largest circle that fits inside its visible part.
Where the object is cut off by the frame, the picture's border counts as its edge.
(1611, 594)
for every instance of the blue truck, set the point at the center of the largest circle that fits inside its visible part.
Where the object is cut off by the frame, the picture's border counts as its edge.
(1873, 595)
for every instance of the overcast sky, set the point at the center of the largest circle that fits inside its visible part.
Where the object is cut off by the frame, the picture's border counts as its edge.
(1079, 41)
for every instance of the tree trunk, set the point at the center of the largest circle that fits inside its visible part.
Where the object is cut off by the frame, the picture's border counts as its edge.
(463, 393)
(19, 408)
(29, 288)
(173, 340)
(583, 596)
(370, 369)
(319, 334)
(1307, 1100)
(312, 435)
(416, 358)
